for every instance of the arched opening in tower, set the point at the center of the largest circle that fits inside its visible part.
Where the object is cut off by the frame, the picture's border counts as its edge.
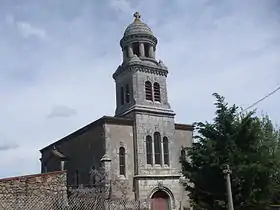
(135, 47)
(147, 49)
(160, 201)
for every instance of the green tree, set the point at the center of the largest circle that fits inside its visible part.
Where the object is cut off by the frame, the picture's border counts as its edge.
(249, 144)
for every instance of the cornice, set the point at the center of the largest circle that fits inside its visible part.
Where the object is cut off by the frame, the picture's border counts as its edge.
(150, 110)
(138, 37)
(141, 67)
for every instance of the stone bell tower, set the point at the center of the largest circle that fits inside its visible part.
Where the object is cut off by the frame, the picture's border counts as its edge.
(140, 79)
(141, 94)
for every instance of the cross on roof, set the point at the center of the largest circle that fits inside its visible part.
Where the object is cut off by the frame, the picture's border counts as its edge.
(137, 15)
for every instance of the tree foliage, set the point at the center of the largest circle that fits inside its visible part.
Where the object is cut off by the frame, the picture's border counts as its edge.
(249, 144)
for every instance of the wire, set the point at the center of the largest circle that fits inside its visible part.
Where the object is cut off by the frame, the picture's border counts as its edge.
(255, 103)
(262, 99)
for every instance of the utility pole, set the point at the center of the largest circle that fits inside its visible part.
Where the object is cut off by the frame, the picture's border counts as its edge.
(227, 172)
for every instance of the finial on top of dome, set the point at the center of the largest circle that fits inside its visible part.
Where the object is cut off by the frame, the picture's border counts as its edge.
(137, 16)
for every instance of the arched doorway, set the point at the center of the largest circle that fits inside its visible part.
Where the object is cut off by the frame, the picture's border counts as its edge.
(160, 201)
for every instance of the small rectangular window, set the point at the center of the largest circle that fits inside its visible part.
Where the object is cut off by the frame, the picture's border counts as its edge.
(127, 94)
(122, 96)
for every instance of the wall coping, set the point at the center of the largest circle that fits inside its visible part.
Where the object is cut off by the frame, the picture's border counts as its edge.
(31, 176)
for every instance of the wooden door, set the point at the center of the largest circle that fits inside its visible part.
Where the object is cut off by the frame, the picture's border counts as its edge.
(160, 204)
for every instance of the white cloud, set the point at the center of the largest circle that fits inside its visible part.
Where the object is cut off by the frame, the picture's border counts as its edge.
(62, 111)
(122, 6)
(4, 146)
(28, 30)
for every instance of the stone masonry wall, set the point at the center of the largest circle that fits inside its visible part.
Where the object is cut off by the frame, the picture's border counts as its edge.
(38, 191)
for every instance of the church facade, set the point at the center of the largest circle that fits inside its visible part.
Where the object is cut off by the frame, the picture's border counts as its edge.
(141, 144)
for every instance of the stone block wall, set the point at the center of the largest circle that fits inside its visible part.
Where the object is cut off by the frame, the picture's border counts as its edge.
(38, 191)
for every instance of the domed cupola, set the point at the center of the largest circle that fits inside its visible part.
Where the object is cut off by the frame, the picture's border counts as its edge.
(138, 40)
(137, 27)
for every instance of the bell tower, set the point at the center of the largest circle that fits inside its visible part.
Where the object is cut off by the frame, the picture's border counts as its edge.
(141, 94)
(140, 79)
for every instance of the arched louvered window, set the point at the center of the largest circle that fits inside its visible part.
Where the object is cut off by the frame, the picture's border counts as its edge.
(127, 94)
(122, 160)
(122, 96)
(148, 91)
(157, 147)
(165, 151)
(149, 150)
(157, 92)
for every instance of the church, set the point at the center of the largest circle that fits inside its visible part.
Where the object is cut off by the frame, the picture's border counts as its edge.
(141, 144)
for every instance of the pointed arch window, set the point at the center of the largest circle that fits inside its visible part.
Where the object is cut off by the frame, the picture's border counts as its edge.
(122, 96)
(165, 150)
(157, 147)
(157, 91)
(148, 91)
(122, 160)
(149, 150)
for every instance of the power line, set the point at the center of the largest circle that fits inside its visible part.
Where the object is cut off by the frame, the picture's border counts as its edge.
(255, 103)
(262, 99)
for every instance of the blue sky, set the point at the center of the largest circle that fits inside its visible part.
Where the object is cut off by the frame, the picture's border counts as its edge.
(57, 58)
